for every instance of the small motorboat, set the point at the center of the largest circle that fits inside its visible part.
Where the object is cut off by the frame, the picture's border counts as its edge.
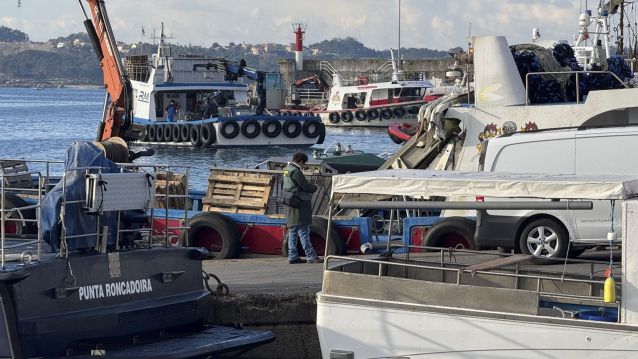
(400, 132)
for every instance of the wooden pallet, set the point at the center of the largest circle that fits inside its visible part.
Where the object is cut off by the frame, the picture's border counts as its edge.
(238, 191)
(16, 174)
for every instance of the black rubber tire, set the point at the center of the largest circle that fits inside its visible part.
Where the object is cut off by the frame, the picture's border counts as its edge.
(159, 133)
(195, 137)
(548, 225)
(361, 115)
(224, 128)
(207, 134)
(152, 133)
(175, 133)
(184, 133)
(346, 116)
(271, 123)
(290, 133)
(373, 114)
(318, 230)
(168, 133)
(413, 110)
(334, 117)
(19, 227)
(144, 136)
(398, 112)
(386, 114)
(452, 232)
(245, 126)
(312, 128)
(214, 232)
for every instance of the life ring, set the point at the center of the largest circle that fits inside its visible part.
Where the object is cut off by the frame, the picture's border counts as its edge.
(176, 135)
(184, 133)
(398, 112)
(312, 128)
(271, 128)
(413, 110)
(194, 136)
(346, 116)
(233, 132)
(318, 230)
(334, 117)
(214, 232)
(361, 115)
(452, 232)
(207, 134)
(246, 128)
(152, 133)
(373, 114)
(159, 133)
(287, 128)
(386, 114)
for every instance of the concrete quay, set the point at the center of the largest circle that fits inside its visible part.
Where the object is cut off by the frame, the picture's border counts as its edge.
(268, 293)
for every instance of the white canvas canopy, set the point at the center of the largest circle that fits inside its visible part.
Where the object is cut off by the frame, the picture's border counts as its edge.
(418, 183)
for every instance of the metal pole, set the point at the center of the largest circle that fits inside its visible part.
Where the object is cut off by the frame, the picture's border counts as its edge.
(513, 205)
(389, 229)
(2, 229)
(325, 253)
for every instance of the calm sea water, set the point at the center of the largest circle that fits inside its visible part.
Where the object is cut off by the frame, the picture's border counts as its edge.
(41, 124)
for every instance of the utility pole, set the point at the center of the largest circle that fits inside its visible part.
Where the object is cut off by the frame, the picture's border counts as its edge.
(621, 41)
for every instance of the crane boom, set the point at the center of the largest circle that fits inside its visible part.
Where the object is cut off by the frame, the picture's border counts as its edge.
(117, 115)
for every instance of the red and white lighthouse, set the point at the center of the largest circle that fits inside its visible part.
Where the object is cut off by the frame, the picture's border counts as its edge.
(299, 30)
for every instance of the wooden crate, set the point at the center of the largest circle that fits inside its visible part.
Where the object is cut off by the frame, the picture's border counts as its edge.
(238, 191)
(15, 174)
(176, 186)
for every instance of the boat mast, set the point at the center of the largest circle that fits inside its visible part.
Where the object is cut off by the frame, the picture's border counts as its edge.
(399, 48)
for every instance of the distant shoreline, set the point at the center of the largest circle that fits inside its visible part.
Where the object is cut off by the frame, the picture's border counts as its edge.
(47, 86)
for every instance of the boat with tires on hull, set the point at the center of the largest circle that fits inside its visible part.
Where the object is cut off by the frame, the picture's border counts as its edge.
(106, 286)
(209, 102)
(418, 305)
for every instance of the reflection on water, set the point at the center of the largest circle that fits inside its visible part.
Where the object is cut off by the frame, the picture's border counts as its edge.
(41, 124)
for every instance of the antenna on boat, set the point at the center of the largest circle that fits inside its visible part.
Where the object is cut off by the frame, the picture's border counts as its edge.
(399, 48)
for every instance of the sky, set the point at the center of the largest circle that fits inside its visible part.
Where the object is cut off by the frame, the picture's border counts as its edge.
(434, 24)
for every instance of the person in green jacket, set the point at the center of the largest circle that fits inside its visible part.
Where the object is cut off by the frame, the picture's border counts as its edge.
(298, 219)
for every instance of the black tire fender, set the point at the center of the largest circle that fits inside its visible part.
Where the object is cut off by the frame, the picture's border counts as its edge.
(312, 128)
(175, 133)
(334, 117)
(386, 114)
(225, 240)
(245, 126)
(413, 110)
(159, 133)
(287, 128)
(398, 112)
(273, 124)
(452, 229)
(318, 229)
(152, 133)
(185, 133)
(168, 133)
(19, 227)
(346, 116)
(195, 138)
(224, 128)
(144, 136)
(373, 114)
(207, 134)
(361, 115)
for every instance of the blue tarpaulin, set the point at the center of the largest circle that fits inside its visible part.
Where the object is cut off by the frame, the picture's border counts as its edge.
(80, 155)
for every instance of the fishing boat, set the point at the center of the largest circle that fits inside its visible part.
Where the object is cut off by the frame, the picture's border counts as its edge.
(376, 104)
(459, 304)
(209, 102)
(82, 273)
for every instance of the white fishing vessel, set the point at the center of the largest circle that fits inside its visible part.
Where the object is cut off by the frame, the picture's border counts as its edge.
(209, 102)
(456, 304)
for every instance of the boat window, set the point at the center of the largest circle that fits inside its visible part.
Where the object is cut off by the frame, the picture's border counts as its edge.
(354, 100)
(379, 97)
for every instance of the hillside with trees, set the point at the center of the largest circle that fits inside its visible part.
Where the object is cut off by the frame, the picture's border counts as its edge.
(71, 59)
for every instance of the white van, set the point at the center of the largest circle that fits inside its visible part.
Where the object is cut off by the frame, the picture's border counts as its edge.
(604, 150)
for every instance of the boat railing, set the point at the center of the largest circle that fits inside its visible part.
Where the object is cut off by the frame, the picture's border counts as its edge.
(311, 94)
(509, 271)
(578, 75)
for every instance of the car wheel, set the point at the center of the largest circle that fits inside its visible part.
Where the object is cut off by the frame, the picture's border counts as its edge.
(544, 238)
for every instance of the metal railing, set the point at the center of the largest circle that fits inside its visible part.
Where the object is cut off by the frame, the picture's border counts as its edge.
(577, 73)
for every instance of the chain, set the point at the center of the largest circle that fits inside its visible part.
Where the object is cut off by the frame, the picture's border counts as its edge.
(19, 3)
(221, 289)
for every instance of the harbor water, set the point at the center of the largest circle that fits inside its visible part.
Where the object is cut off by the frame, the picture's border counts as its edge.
(42, 123)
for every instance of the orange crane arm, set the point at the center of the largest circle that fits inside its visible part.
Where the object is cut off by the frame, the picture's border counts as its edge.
(116, 118)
